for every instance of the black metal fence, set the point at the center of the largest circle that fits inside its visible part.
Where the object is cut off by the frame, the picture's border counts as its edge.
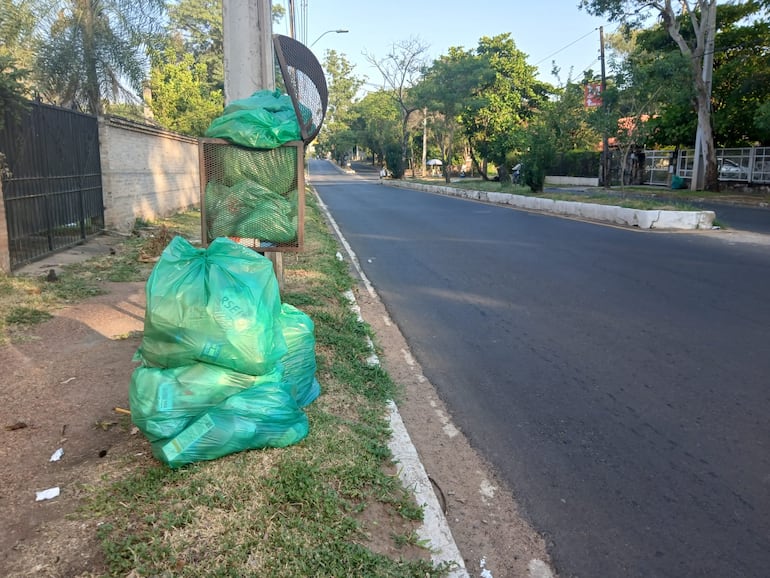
(51, 178)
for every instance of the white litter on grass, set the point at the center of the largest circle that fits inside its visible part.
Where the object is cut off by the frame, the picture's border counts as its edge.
(48, 494)
(539, 569)
(56, 456)
(339, 256)
(354, 307)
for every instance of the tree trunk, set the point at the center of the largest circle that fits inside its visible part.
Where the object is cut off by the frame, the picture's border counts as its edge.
(474, 162)
(704, 36)
(405, 138)
(704, 121)
(88, 10)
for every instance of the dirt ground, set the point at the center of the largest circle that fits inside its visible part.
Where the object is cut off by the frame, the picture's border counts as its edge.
(64, 378)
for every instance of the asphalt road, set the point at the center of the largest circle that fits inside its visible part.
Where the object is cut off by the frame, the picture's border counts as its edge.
(739, 218)
(617, 379)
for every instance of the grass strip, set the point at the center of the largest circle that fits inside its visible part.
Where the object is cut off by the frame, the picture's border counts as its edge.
(627, 198)
(331, 505)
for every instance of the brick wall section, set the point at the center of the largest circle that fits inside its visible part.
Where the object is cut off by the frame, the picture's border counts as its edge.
(147, 172)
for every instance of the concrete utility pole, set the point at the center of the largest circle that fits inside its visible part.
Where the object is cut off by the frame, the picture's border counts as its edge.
(606, 177)
(247, 28)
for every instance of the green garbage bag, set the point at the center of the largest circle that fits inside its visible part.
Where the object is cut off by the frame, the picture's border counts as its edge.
(262, 416)
(274, 169)
(251, 211)
(164, 401)
(269, 100)
(218, 305)
(223, 212)
(265, 120)
(299, 363)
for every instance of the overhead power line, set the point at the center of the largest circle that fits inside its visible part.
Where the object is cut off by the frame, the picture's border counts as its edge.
(567, 46)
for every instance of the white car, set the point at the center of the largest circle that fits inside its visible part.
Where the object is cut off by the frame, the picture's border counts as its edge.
(731, 171)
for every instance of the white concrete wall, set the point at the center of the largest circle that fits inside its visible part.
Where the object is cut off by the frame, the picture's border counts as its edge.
(577, 181)
(147, 172)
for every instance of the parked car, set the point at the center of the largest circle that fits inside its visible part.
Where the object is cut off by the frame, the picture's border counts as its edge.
(731, 171)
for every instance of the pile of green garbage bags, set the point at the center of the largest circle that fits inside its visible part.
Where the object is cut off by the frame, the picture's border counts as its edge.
(254, 194)
(225, 366)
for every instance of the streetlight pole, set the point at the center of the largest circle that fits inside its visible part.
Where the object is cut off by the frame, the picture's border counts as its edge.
(338, 31)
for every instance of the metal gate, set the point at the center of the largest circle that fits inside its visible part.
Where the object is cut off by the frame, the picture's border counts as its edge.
(52, 183)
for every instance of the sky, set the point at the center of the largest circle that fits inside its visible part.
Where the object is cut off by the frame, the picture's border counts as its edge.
(545, 30)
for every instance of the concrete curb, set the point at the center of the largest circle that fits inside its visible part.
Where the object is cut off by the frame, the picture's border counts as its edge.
(643, 219)
(435, 528)
(414, 478)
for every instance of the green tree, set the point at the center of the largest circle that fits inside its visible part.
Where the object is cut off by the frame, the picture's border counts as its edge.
(336, 135)
(93, 47)
(401, 69)
(540, 151)
(452, 89)
(576, 128)
(378, 125)
(12, 88)
(693, 41)
(18, 20)
(652, 72)
(762, 121)
(181, 97)
(197, 24)
(741, 72)
(498, 128)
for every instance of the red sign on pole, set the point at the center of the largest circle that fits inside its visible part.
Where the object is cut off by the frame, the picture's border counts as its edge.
(593, 94)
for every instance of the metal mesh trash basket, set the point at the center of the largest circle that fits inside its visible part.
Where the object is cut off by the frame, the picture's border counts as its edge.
(253, 196)
(305, 83)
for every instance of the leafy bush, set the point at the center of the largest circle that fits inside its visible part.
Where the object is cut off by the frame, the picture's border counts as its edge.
(538, 158)
(12, 102)
(395, 161)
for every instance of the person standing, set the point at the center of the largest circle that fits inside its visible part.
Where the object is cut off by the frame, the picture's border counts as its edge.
(383, 173)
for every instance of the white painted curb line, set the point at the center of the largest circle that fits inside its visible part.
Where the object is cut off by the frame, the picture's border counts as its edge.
(412, 473)
(643, 219)
(435, 528)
